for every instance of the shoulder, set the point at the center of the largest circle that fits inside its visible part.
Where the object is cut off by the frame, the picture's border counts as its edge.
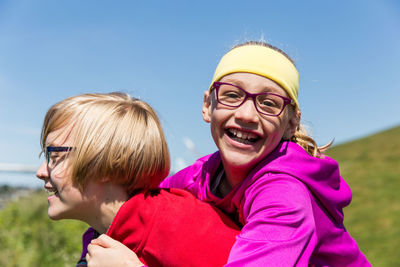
(291, 158)
(134, 213)
(276, 184)
(154, 199)
(178, 207)
(273, 193)
(143, 210)
(161, 201)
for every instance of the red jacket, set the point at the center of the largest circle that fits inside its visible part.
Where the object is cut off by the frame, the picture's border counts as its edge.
(173, 228)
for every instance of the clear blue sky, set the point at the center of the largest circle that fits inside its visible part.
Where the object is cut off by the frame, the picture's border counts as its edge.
(165, 52)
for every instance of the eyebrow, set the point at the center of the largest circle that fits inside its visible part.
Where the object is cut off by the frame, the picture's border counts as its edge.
(241, 84)
(233, 80)
(52, 144)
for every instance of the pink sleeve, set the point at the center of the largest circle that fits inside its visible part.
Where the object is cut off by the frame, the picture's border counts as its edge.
(279, 225)
(181, 180)
(188, 179)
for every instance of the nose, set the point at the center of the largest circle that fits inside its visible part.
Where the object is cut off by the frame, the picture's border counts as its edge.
(247, 112)
(43, 172)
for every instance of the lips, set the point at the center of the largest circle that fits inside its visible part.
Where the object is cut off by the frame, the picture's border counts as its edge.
(242, 136)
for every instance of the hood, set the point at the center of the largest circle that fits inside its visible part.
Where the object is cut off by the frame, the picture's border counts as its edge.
(320, 175)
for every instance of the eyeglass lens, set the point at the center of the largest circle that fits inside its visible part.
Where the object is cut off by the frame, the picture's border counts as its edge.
(55, 155)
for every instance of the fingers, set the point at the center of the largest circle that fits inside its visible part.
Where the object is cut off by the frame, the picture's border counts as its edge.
(93, 250)
(94, 255)
(105, 251)
(104, 241)
(87, 257)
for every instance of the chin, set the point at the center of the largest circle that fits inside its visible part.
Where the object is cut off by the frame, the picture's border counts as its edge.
(55, 215)
(239, 159)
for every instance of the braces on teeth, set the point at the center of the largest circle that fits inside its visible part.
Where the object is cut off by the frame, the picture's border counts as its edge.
(50, 192)
(243, 135)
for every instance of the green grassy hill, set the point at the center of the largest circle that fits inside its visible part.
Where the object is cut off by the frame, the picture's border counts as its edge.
(371, 166)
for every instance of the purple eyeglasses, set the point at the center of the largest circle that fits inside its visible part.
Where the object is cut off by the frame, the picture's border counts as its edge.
(269, 104)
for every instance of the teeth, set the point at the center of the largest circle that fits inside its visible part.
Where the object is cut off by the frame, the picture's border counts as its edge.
(243, 135)
(50, 191)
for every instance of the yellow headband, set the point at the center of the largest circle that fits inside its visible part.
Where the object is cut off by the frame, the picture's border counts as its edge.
(263, 61)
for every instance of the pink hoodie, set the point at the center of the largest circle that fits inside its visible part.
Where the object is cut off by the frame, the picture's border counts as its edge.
(290, 206)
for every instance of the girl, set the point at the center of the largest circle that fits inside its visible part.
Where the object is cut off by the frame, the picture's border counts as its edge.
(105, 156)
(268, 173)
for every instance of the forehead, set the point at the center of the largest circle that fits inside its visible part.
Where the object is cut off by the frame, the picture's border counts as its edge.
(254, 83)
(61, 136)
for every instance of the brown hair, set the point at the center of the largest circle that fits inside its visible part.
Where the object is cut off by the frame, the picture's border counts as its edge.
(116, 136)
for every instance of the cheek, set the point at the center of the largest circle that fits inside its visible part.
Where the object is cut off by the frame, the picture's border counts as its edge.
(62, 181)
(59, 178)
(215, 133)
(290, 123)
(273, 124)
(71, 194)
(275, 128)
(74, 194)
(57, 173)
(62, 170)
(218, 119)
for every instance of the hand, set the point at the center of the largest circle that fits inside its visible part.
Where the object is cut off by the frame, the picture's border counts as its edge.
(105, 251)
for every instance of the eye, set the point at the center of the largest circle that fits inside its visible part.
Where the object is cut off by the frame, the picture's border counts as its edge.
(231, 94)
(54, 157)
(267, 102)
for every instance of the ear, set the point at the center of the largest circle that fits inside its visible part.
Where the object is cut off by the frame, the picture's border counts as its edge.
(294, 122)
(206, 110)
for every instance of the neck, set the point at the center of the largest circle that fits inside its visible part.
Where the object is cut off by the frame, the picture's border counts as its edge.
(234, 175)
(108, 201)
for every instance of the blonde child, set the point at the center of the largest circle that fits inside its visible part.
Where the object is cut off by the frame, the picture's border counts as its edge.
(105, 156)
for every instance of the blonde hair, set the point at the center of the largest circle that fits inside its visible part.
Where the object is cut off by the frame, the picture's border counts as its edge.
(300, 137)
(303, 139)
(116, 136)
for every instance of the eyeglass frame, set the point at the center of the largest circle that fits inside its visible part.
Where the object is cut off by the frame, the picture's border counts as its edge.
(56, 149)
(286, 100)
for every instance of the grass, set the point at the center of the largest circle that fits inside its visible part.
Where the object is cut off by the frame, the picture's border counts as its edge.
(371, 166)
(29, 238)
